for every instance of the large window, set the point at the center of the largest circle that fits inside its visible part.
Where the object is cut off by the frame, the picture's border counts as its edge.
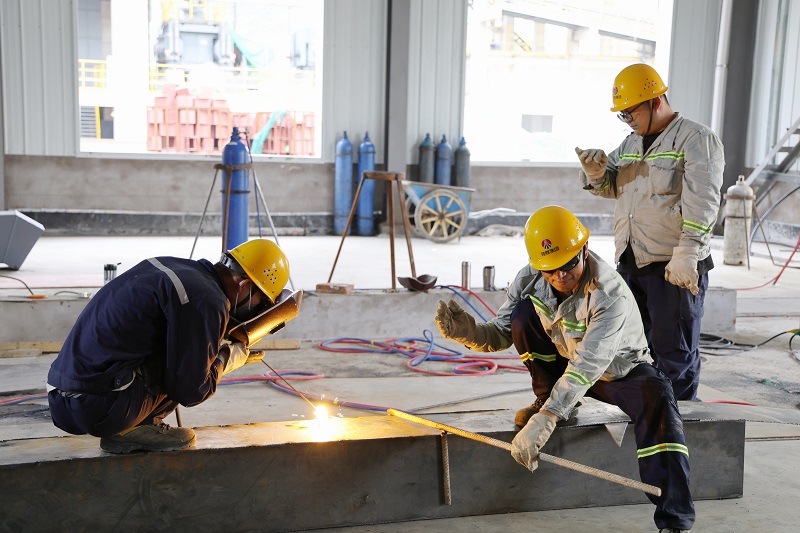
(176, 76)
(539, 73)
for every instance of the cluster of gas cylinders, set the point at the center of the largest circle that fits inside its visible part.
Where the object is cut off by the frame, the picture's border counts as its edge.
(438, 164)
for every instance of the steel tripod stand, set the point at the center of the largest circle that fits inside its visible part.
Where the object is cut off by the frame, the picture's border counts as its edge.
(228, 177)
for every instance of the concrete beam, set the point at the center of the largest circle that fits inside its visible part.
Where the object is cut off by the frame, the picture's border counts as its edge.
(390, 314)
(298, 475)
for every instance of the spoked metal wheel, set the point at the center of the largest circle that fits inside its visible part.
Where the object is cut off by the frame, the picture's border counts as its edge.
(411, 209)
(441, 216)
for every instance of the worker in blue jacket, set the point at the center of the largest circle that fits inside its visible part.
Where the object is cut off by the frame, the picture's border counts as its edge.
(155, 337)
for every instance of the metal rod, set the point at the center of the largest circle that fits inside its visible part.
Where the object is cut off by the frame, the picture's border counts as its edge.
(391, 233)
(346, 228)
(203, 216)
(406, 225)
(448, 495)
(289, 384)
(608, 476)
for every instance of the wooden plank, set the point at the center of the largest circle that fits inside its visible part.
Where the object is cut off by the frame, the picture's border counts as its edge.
(42, 347)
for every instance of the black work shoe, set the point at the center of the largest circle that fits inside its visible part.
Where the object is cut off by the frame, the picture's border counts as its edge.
(525, 414)
(150, 438)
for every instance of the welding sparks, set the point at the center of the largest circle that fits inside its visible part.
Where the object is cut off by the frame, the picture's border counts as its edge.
(321, 412)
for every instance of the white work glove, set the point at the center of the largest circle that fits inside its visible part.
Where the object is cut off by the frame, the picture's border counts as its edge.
(234, 355)
(682, 269)
(455, 323)
(593, 162)
(530, 439)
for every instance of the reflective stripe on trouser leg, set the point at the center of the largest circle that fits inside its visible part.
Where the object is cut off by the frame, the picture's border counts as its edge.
(537, 351)
(646, 396)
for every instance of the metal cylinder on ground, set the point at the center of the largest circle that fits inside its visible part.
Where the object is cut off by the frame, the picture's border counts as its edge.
(444, 156)
(488, 278)
(461, 167)
(466, 271)
(738, 220)
(343, 184)
(427, 160)
(366, 201)
(235, 194)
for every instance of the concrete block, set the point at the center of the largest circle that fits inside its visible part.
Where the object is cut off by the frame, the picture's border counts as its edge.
(300, 475)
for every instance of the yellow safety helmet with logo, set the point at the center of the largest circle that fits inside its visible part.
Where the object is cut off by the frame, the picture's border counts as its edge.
(634, 84)
(553, 236)
(264, 263)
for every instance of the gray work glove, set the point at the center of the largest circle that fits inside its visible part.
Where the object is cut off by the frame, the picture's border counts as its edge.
(234, 355)
(455, 323)
(593, 162)
(682, 269)
(530, 439)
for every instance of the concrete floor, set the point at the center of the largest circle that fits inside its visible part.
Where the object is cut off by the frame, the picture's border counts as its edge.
(768, 376)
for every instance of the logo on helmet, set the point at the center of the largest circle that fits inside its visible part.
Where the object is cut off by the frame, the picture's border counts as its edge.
(546, 244)
(614, 91)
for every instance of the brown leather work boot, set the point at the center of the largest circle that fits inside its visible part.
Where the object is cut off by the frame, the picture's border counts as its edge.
(149, 438)
(525, 414)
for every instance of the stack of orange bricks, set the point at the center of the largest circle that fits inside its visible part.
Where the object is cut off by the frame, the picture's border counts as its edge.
(182, 123)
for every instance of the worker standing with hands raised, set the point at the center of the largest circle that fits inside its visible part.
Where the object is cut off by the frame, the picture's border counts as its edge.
(578, 330)
(666, 178)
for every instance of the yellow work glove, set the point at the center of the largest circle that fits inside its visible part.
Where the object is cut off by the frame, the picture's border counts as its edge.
(682, 269)
(530, 439)
(455, 323)
(593, 162)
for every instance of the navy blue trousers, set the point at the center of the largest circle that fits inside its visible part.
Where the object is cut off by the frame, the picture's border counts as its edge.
(103, 415)
(645, 395)
(671, 317)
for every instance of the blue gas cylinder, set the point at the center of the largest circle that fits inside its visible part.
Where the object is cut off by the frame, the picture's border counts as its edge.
(343, 184)
(444, 156)
(366, 201)
(426, 159)
(235, 153)
(461, 166)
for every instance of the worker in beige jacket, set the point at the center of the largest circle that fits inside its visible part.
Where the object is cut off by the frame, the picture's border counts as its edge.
(666, 178)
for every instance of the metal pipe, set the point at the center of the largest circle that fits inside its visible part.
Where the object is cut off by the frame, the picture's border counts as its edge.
(721, 71)
(578, 467)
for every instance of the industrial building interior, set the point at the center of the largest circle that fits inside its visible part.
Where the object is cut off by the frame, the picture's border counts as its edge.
(128, 126)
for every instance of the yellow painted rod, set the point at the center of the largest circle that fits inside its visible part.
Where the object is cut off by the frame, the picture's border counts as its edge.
(590, 470)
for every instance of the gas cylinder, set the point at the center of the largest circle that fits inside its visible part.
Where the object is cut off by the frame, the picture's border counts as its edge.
(235, 191)
(738, 219)
(444, 156)
(461, 170)
(343, 184)
(426, 159)
(366, 201)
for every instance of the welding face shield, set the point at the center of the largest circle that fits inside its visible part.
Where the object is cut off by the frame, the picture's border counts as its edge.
(249, 325)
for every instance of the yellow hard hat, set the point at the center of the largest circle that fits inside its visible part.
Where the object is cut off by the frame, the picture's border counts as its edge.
(553, 236)
(265, 264)
(635, 84)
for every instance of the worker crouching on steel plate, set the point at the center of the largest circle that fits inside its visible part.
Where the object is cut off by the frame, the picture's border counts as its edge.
(578, 330)
(155, 337)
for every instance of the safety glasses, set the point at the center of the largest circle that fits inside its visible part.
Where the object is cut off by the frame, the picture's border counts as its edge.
(572, 263)
(627, 116)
